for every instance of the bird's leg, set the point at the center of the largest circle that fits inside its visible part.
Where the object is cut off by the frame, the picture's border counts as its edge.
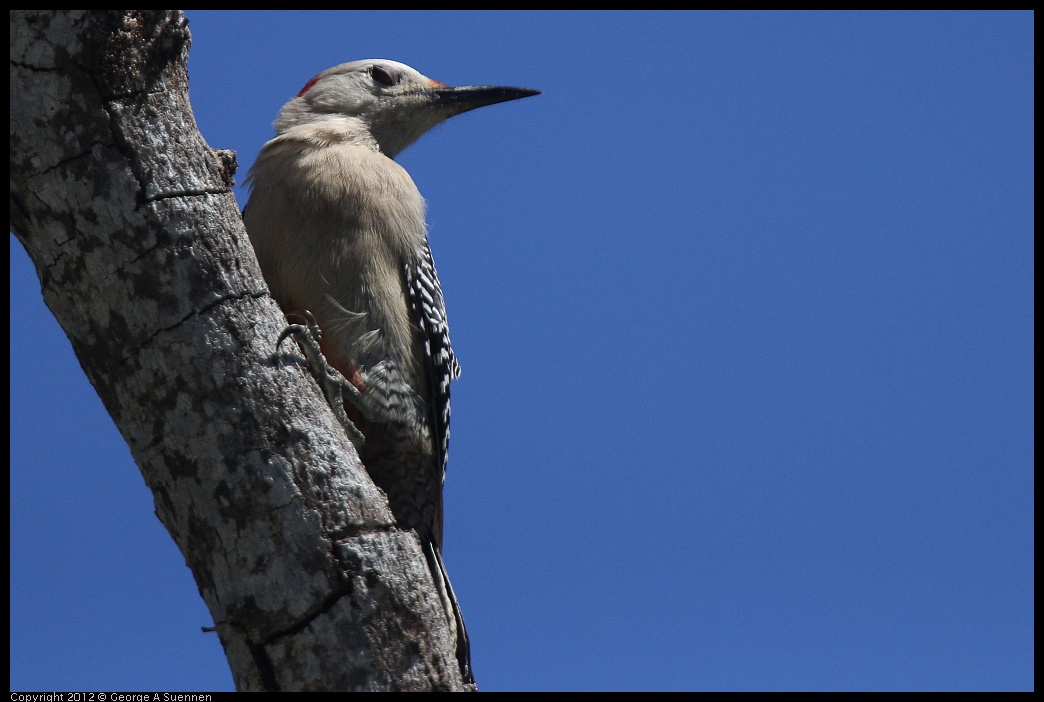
(333, 384)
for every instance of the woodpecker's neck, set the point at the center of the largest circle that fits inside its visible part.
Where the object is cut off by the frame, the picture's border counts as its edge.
(396, 130)
(380, 132)
(326, 130)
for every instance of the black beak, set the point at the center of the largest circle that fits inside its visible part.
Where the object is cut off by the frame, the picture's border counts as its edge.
(471, 97)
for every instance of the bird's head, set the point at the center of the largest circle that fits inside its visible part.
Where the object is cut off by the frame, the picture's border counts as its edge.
(387, 101)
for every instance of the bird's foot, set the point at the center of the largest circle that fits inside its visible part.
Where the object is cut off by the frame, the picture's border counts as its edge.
(305, 331)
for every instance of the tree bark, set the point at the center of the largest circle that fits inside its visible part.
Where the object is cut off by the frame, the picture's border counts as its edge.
(129, 219)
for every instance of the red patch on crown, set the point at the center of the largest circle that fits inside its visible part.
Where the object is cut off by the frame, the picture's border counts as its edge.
(308, 86)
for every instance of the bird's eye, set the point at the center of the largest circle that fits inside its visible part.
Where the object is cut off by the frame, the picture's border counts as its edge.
(384, 76)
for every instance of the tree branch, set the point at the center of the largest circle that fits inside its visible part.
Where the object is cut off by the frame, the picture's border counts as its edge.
(129, 219)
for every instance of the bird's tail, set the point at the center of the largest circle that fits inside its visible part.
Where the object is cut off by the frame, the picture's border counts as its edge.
(452, 608)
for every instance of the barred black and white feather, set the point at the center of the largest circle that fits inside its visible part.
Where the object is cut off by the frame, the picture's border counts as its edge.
(428, 310)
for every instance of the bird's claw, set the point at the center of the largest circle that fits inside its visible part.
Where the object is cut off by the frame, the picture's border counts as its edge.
(308, 337)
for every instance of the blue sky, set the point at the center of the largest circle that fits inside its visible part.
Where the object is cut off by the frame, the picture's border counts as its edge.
(744, 309)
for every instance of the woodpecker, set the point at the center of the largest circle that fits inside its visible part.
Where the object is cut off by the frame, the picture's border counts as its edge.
(339, 230)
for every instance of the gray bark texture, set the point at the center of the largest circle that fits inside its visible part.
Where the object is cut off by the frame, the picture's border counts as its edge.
(129, 219)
